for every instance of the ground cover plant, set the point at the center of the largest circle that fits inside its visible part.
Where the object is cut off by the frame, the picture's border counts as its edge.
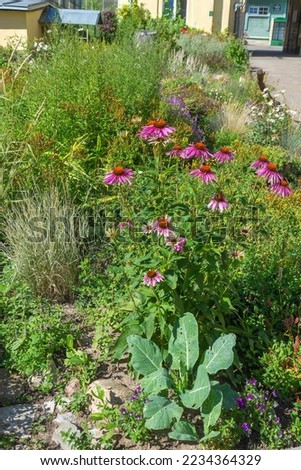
(140, 185)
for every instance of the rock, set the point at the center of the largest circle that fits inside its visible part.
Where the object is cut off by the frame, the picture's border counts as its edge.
(11, 386)
(17, 419)
(49, 406)
(59, 439)
(35, 381)
(64, 402)
(65, 418)
(114, 393)
(72, 387)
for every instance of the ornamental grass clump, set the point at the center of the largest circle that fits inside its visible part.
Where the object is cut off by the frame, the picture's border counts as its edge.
(43, 245)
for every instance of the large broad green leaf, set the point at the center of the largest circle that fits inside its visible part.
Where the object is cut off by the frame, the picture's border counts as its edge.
(146, 356)
(211, 409)
(210, 436)
(183, 431)
(229, 395)
(195, 398)
(221, 355)
(121, 344)
(157, 381)
(160, 412)
(184, 343)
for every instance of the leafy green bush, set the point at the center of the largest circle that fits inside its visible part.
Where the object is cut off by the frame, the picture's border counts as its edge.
(32, 332)
(237, 53)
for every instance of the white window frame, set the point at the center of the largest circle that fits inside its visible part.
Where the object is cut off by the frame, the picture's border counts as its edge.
(257, 10)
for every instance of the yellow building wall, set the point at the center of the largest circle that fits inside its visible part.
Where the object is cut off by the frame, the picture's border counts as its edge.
(198, 14)
(12, 24)
(34, 29)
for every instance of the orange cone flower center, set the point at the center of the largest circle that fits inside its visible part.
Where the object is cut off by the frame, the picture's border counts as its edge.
(159, 124)
(177, 147)
(200, 146)
(118, 171)
(225, 150)
(163, 223)
(263, 158)
(205, 168)
(283, 183)
(272, 167)
(219, 198)
(151, 273)
(151, 123)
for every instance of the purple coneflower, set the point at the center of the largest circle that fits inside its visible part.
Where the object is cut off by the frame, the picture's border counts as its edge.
(281, 188)
(262, 161)
(126, 224)
(152, 277)
(224, 155)
(218, 202)
(270, 173)
(148, 228)
(177, 243)
(176, 151)
(204, 173)
(119, 175)
(156, 129)
(163, 226)
(197, 150)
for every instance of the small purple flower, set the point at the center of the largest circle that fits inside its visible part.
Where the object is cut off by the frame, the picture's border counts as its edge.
(224, 155)
(163, 226)
(270, 173)
(277, 419)
(138, 389)
(123, 411)
(130, 413)
(245, 427)
(241, 402)
(135, 396)
(218, 202)
(261, 407)
(251, 382)
(274, 393)
(204, 173)
(250, 396)
(175, 151)
(138, 416)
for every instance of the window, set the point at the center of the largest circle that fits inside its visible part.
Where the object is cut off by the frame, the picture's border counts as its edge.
(264, 11)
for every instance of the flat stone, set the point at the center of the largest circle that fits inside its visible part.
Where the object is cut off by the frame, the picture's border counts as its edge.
(67, 417)
(17, 419)
(114, 394)
(11, 386)
(49, 406)
(72, 387)
(59, 439)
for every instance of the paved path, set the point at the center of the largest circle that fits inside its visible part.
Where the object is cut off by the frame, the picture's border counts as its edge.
(283, 71)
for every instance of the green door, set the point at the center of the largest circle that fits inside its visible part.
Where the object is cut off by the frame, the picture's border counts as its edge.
(258, 27)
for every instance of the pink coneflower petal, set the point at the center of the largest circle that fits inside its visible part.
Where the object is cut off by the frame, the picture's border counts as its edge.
(281, 188)
(176, 151)
(204, 173)
(177, 243)
(126, 224)
(119, 175)
(270, 173)
(156, 129)
(163, 226)
(152, 277)
(197, 150)
(148, 228)
(224, 155)
(218, 203)
(261, 162)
